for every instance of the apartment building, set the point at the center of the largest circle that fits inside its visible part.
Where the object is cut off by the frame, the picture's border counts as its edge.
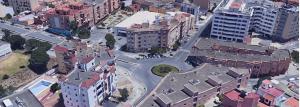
(263, 61)
(113, 5)
(4, 49)
(88, 89)
(155, 30)
(65, 58)
(100, 9)
(263, 16)
(231, 22)
(23, 5)
(195, 87)
(61, 16)
(276, 20)
(287, 26)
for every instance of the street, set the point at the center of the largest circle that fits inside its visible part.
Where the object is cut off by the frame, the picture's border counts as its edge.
(31, 34)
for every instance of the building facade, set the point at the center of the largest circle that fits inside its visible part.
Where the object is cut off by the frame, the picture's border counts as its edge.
(162, 33)
(62, 16)
(88, 89)
(23, 5)
(100, 9)
(270, 95)
(65, 58)
(263, 61)
(195, 87)
(287, 23)
(231, 23)
(263, 17)
(276, 20)
(4, 49)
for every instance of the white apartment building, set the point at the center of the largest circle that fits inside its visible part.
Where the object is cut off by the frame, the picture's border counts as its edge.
(263, 17)
(88, 89)
(4, 49)
(276, 20)
(231, 22)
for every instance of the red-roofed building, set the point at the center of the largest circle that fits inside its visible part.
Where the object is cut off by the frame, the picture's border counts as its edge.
(236, 98)
(65, 59)
(88, 89)
(64, 14)
(270, 95)
(291, 102)
(87, 63)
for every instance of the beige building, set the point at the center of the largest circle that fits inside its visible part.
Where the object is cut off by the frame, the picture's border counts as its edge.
(22, 5)
(195, 87)
(162, 32)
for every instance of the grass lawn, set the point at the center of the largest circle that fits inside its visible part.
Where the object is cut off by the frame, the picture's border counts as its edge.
(13, 64)
(163, 69)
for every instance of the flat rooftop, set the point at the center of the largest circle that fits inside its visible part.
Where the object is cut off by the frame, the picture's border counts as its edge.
(171, 86)
(139, 18)
(204, 48)
(22, 99)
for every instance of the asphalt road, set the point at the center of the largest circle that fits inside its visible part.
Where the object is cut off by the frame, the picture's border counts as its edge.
(31, 34)
(141, 69)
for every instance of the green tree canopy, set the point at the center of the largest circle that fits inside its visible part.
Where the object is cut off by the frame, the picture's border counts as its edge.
(73, 26)
(7, 16)
(84, 33)
(54, 87)
(295, 56)
(110, 40)
(16, 41)
(33, 43)
(38, 61)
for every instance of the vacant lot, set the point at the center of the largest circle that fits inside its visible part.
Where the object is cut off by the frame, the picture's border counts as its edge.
(14, 63)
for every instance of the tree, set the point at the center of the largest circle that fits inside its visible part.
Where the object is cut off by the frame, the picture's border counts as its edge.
(51, 5)
(84, 33)
(31, 44)
(38, 61)
(54, 87)
(295, 56)
(7, 16)
(5, 76)
(110, 40)
(124, 94)
(260, 81)
(36, 44)
(7, 34)
(16, 41)
(176, 45)
(73, 26)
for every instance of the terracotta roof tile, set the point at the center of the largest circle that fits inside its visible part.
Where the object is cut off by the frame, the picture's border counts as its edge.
(291, 102)
(60, 48)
